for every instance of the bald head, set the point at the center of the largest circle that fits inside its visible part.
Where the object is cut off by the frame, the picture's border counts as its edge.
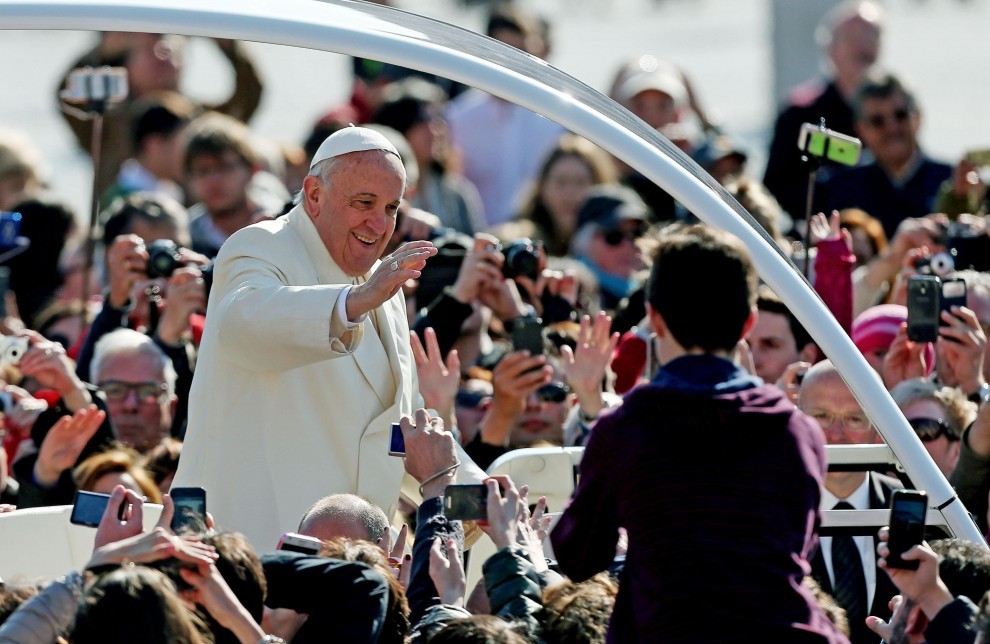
(344, 515)
(819, 374)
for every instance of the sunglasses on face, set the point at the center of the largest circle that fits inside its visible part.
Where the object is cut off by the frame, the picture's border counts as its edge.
(929, 429)
(877, 121)
(470, 399)
(555, 392)
(616, 236)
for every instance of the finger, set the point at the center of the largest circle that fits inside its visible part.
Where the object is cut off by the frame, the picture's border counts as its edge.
(437, 560)
(453, 556)
(109, 517)
(453, 362)
(567, 354)
(405, 571)
(168, 510)
(136, 504)
(399, 547)
(878, 626)
(432, 345)
(419, 354)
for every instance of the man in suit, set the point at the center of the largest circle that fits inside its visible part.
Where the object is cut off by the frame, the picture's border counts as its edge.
(866, 591)
(305, 360)
(730, 526)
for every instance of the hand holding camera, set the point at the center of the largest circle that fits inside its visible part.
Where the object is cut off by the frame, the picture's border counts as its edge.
(481, 270)
(922, 585)
(47, 362)
(505, 511)
(185, 293)
(905, 360)
(517, 375)
(127, 261)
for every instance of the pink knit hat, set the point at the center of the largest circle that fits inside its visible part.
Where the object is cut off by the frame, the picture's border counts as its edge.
(876, 327)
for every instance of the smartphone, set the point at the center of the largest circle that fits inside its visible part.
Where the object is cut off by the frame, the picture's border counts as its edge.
(190, 508)
(527, 334)
(396, 441)
(88, 508)
(908, 510)
(466, 502)
(923, 305)
(294, 542)
(829, 144)
(953, 293)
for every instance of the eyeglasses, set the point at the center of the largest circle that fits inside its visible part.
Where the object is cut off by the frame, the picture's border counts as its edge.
(854, 422)
(877, 121)
(929, 429)
(616, 236)
(147, 392)
(555, 392)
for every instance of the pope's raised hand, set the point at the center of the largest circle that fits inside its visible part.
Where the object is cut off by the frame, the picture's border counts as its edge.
(404, 264)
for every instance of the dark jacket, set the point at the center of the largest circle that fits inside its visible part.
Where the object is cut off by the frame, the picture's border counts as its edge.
(344, 599)
(717, 479)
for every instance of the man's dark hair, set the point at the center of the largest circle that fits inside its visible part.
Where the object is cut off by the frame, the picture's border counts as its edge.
(881, 86)
(767, 300)
(162, 114)
(509, 18)
(147, 206)
(963, 566)
(704, 285)
(211, 135)
(478, 629)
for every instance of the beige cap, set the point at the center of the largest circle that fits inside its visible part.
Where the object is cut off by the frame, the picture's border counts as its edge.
(352, 139)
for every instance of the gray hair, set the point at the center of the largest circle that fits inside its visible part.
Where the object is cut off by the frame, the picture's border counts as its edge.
(959, 412)
(349, 506)
(130, 341)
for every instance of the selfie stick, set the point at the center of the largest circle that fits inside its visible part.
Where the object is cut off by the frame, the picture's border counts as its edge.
(94, 90)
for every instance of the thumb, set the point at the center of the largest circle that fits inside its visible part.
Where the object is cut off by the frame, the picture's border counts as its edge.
(878, 626)
(168, 510)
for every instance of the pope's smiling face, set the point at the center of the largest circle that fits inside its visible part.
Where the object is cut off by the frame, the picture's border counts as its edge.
(354, 211)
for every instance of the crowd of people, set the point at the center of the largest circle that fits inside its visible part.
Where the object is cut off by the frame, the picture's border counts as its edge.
(437, 265)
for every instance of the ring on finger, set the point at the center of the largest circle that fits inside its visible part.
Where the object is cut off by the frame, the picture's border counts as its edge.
(394, 265)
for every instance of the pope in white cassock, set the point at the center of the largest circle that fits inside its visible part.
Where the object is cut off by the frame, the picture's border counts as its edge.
(305, 360)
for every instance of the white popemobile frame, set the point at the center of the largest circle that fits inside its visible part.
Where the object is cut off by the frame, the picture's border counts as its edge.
(391, 35)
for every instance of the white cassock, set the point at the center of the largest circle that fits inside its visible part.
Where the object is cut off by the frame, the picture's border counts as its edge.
(287, 404)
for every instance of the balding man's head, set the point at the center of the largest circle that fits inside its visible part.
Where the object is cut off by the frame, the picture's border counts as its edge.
(825, 397)
(344, 515)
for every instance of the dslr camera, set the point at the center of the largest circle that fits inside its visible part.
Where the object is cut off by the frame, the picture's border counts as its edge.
(522, 258)
(939, 264)
(163, 258)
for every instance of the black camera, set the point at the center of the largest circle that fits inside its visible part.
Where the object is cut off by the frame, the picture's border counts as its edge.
(969, 248)
(163, 258)
(522, 258)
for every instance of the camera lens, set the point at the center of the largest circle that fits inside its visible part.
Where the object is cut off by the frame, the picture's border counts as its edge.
(163, 258)
(522, 258)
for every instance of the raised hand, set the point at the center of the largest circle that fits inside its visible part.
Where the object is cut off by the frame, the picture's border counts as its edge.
(438, 381)
(585, 366)
(393, 271)
(65, 442)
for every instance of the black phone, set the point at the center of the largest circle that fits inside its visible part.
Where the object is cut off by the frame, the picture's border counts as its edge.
(953, 293)
(190, 508)
(466, 502)
(527, 334)
(924, 305)
(396, 441)
(908, 510)
(88, 508)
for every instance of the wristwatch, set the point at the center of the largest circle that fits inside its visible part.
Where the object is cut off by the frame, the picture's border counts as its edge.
(982, 395)
(271, 638)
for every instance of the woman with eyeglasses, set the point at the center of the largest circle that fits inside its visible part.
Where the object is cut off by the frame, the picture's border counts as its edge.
(938, 415)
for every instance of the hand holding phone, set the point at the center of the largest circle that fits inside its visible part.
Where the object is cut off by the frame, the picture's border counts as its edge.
(88, 508)
(466, 502)
(908, 511)
(527, 335)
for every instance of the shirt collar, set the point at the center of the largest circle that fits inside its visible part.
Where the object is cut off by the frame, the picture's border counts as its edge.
(859, 499)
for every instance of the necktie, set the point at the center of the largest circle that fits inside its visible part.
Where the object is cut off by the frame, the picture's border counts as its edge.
(850, 582)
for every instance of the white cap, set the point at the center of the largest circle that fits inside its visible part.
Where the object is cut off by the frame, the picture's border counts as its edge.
(352, 139)
(660, 79)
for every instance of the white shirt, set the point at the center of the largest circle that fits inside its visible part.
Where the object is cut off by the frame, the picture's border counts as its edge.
(860, 500)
